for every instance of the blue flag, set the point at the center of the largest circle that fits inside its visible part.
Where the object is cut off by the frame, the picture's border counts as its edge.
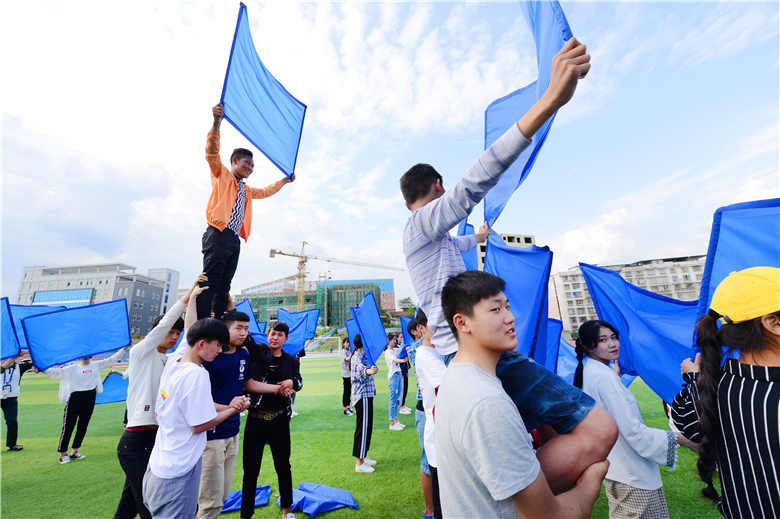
(743, 236)
(61, 336)
(526, 272)
(554, 329)
(372, 331)
(233, 501)
(258, 105)
(313, 499)
(303, 327)
(470, 258)
(10, 346)
(19, 312)
(655, 330)
(550, 30)
(408, 339)
(352, 330)
(256, 330)
(114, 389)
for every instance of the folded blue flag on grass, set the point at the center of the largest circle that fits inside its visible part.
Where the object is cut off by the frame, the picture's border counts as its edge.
(550, 30)
(233, 501)
(114, 389)
(10, 346)
(258, 105)
(19, 312)
(313, 499)
(256, 330)
(61, 336)
(372, 330)
(655, 330)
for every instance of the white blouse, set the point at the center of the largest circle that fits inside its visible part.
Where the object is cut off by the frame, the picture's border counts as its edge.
(639, 449)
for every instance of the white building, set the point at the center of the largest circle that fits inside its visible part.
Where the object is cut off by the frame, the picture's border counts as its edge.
(515, 240)
(679, 278)
(171, 289)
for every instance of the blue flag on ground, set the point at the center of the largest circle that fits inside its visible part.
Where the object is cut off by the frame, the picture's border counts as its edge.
(256, 330)
(258, 105)
(10, 346)
(372, 331)
(114, 389)
(470, 258)
(743, 235)
(550, 30)
(352, 330)
(19, 312)
(233, 501)
(526, 272)
(61, 336)
(303, 327)
(313, 499)
(655, 330)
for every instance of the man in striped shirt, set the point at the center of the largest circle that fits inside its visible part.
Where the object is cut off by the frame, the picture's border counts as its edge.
(586, 431)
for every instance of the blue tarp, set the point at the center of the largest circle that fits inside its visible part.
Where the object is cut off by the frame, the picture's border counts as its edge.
(742, 236)
(372, 331)
(470, 258)
(554, 329)
(258, 105)
(10, 346)
(352, 330)
(19, 312)
(233, 501)
(114, 389)
(303, 327)
(313, 499)
(655, 331)
(550, 30)
(526, 272)
(256, 330)
(61, 336)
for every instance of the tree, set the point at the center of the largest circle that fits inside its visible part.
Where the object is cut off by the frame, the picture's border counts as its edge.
(407, 306)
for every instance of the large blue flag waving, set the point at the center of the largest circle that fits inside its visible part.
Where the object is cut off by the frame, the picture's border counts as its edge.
(352, 330)
(655, 330)
(64, 335)
(550, 30)
(303, 327)
(19, 312)
(372, 331)
(10, 346)
(258, 105)
(256, 330)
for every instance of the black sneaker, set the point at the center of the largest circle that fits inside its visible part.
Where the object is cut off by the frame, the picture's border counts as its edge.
(77, 456)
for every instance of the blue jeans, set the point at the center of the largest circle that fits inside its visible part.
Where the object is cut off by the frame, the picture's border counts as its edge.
(541, 396)
(419, 424)
(396, 383)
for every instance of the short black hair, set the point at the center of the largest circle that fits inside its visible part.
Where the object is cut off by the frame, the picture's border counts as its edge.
(178, 325)
(411, 325)
(357, 342)
(421, 318)
(234, 315)
(208, 329)
(240, 153)
(462, 292)
(281, 326)
(417, 181)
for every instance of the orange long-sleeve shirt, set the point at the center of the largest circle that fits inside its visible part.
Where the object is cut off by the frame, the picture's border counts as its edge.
(224, 191)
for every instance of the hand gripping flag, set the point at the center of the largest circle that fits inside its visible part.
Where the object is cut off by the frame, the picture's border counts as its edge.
(258, 105)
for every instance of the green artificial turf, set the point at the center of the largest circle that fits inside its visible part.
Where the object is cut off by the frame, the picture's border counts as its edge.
(34, 486)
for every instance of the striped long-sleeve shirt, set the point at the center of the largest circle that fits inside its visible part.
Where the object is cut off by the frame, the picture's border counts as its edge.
(362, 384)
(432, 255)
(749, 443)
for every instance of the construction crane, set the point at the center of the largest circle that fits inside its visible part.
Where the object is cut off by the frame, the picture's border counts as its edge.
(303, 258)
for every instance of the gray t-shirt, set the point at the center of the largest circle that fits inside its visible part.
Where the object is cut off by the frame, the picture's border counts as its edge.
(483, 448)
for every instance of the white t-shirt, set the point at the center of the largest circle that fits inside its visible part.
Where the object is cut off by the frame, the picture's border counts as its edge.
(392, 367)
(184, 401)
(484, 452)
(429, 369)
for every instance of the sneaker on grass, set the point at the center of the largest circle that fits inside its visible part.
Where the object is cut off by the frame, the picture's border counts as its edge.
(369, 461)
(397, 426)
(405, 410)
(77, 456)
(288, 515)
(64, 459)
(364, 468)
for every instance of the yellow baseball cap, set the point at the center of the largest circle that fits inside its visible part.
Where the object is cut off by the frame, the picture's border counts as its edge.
(747, 294)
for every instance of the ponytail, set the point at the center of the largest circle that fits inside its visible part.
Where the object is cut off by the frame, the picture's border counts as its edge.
(709, 424)
(580, 356)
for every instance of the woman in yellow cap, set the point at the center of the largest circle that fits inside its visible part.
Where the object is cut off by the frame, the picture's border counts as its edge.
(737, 403)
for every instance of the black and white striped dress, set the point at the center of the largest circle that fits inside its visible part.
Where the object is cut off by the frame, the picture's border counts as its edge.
(749, 452)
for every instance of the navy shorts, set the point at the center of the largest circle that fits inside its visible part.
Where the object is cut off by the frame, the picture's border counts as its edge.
(542, 397)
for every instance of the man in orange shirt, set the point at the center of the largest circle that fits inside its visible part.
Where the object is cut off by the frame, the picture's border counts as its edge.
(229, 215)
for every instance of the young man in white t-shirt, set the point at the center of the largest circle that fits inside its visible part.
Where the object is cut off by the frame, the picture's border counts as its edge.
(185, 411)
(487, 467)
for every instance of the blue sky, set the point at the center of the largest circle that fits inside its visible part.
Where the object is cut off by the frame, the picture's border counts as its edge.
(104, 127)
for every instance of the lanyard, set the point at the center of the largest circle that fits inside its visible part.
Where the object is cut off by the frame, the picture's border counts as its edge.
(8, 379)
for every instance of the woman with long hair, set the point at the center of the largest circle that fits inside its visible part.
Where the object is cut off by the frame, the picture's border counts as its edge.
(633, 483)
(363, 393)
(736, 402)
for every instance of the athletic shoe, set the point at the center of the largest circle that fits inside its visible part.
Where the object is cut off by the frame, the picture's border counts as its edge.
(349, 411)
(293, 414)
(369, 461)
(364, 468)
(15, 448)
(289, 516)
(427, 516)
(77, 456)
(405, 410)
(64, 459)
(397, 426)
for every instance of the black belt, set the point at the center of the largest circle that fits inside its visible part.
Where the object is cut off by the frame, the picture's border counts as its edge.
(267, 415)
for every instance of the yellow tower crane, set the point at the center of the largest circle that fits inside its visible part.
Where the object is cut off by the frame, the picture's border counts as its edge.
(303, 258)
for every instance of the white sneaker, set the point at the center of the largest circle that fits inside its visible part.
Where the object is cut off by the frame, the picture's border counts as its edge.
(289, 515)
(64, 459)
(293, 414)
(405, 410)
(365, 468)
(369, 461)
(397, 426)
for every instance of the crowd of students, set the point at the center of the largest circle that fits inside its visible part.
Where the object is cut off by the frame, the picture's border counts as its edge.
(500, 436)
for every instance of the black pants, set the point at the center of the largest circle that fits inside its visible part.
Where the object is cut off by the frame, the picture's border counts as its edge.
(133, 451)
(258, 433)
(220, 259)
(347, 393)
(78, 409)
(405, 375)
(364, 425)
(435, 490)
(10, 411)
